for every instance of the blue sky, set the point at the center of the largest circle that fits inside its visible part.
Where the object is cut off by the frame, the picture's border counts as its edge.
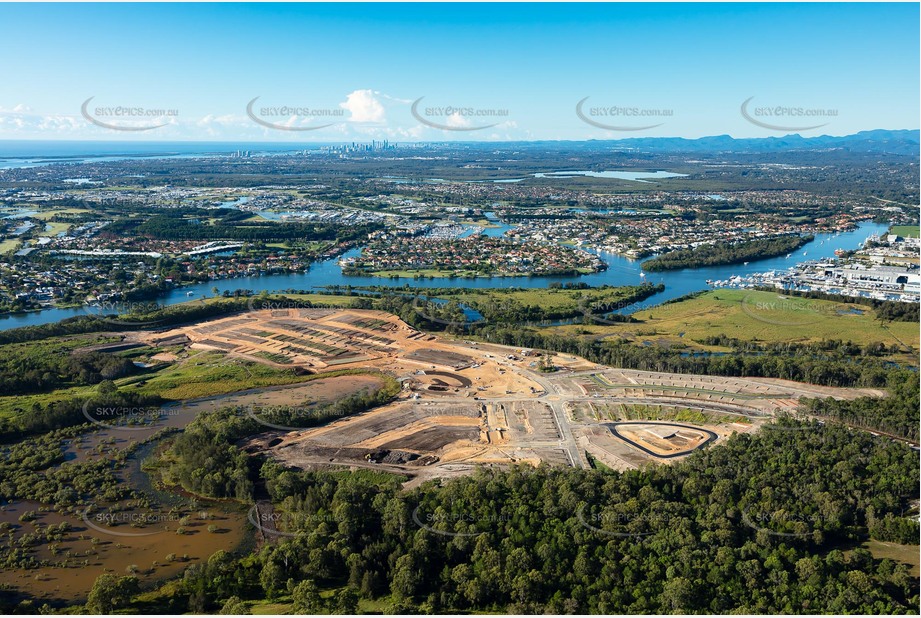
(497, 72)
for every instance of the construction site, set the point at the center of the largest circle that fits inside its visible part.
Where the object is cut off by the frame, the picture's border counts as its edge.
(464, 403)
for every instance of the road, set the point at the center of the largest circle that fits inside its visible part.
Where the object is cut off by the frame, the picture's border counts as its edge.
(553, 429)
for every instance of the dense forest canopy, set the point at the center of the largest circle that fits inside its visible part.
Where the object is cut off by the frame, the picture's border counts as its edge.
(756, 525)
(733, 253)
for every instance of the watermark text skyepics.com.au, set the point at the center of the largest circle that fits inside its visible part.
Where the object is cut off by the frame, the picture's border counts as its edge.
(624, 523)
(457, 117)
(295, 117)
(137, 314)
(127, 418)
(457, 520)
(274, 523)
(787, 311)
(622, 117)
(786, 117)
(130, 118)
(148, 522)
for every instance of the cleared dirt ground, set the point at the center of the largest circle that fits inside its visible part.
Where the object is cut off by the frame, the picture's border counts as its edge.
(464, 404)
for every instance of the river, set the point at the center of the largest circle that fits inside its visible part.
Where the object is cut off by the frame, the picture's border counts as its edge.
(621, 271)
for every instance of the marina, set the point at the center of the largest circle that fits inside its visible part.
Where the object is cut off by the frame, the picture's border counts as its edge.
(883, 274)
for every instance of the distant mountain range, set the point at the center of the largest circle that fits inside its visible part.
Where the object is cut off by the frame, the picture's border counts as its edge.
(883, 141)
(902, 141)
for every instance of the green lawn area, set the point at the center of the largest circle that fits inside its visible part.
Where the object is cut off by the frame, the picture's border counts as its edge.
(17, 404)
(204, 374)
(596, 463)
(57, 346)
(906, 231)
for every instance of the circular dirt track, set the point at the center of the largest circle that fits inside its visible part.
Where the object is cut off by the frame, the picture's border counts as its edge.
(710, 437)
(440, 383)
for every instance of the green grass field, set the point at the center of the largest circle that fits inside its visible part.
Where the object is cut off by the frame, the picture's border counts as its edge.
(771, 316)
(325, 299)
(53, 228)
(203, 375)
(212, 373)
(57, 346)
(908, 554)
(768, 317)
(8, 245)
(906, 231)
(47, 214)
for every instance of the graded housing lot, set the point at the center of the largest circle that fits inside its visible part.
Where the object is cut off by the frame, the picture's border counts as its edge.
(461, 404)
(322, 340)
(464, 404)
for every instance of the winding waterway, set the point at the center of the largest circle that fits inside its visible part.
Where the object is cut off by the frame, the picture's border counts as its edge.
(621, 271)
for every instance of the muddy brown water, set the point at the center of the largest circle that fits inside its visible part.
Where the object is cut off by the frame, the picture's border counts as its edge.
(91, 548)
(86, 553)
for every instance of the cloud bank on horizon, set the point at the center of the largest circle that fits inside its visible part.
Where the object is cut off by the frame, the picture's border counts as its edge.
(366, 114)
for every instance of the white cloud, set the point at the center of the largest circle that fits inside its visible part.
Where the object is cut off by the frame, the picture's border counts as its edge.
(364, 106)
(58, 123)
(225, 120)
(396, 99)
(457, 121)
(20, 108)
(23, 122)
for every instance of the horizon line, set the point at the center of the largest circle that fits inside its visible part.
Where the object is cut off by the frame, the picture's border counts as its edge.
(447, 141)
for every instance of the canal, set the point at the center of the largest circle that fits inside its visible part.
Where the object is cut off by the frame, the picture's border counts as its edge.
(621, 271)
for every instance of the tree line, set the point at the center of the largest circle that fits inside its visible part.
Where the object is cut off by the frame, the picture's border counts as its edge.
(896, 414)
(753, 526)
(726, 253)
(34, 368)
